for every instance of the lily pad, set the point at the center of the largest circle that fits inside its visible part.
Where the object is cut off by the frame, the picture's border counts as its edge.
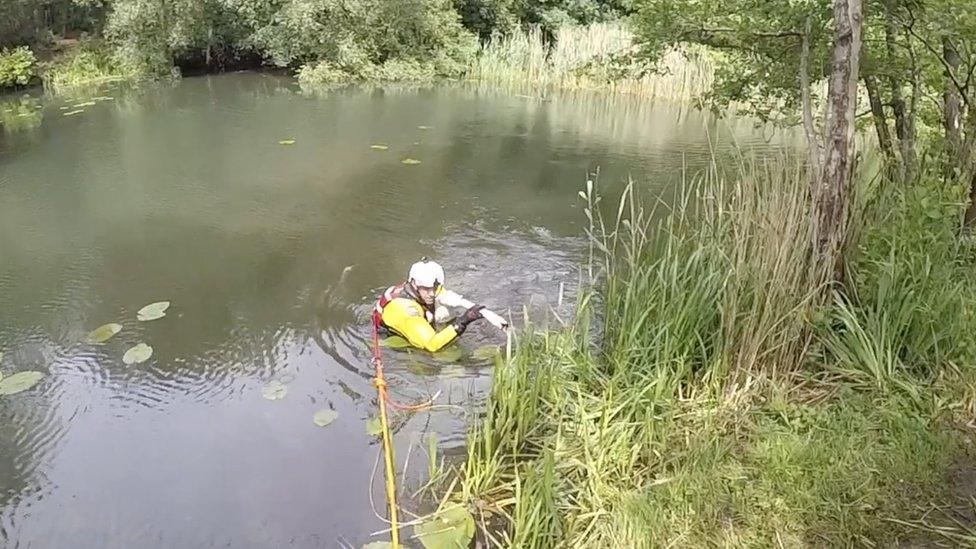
(153, 311)
(104, 333)
(374, 426)
(21, 381)
(486, 353)
(395, 342)
(325, 417)
(287, 142)
(379, 147)
(138, 354)
(452, 527)
(274, 390)
(450, 354)
(72, 113)
(410, 161)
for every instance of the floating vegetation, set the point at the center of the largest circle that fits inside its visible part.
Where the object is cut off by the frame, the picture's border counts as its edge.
(374, 426)
(274, 390)
(103, 333)
(450, 354)
(395, 342)
(487, 352)
(137, 355)
(451, 527)
(323, 418)
(19, 382)
(153, 311)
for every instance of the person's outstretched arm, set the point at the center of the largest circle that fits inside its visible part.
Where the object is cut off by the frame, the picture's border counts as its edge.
(452, 299)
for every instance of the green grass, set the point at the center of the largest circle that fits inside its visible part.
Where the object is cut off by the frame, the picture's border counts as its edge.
(88, 64)
(713, 392)
(591, 57)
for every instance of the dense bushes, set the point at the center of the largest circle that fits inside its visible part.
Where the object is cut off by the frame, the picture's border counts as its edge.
(18, 67)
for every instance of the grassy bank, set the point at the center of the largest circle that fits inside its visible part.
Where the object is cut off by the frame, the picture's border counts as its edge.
(592, 57)
(84, 64)
(729, 397)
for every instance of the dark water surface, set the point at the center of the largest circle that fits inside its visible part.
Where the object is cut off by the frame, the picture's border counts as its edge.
(182, 192)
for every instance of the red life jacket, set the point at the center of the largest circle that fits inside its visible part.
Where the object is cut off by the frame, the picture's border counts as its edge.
(389, 295)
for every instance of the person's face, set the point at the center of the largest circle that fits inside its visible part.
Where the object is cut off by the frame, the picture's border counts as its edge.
(426, 294)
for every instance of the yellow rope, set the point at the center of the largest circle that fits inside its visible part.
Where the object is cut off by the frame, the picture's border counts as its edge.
(380, 383)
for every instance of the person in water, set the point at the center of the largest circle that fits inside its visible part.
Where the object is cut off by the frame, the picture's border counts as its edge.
(412, 308)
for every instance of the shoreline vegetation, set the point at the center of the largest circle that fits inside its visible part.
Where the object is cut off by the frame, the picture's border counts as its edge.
(595, 57)
(731, 399)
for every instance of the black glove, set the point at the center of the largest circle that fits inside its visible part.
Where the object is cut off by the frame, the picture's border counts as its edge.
(469, 316)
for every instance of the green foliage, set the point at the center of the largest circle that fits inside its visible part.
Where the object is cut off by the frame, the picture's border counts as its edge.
(910, 313)
(91, 62)
(18, 67)
(760, 40)
(680, 427)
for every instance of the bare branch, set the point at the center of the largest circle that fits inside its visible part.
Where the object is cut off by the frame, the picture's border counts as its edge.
(963, 91)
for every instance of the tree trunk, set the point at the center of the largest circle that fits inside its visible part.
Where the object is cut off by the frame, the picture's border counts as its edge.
(880, 120)
(894, 83)
(834, 192)
(909, 148)
(968, 165)
(953, 112)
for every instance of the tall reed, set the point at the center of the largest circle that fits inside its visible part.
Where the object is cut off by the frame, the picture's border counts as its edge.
(591, 57)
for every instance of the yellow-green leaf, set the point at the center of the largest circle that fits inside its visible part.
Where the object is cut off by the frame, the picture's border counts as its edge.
(325, 417)
(153, 311)
(374, 426)
(487, 352)
(104, 333)
(450, 528)
(449, 354)
(395, 342)
(138, 354)
(21, 381)
(274, 390)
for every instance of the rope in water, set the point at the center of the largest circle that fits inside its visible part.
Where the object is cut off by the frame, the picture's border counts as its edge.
(384, 398)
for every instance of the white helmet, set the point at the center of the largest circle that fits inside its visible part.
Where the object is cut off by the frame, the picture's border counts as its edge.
(426, 273)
